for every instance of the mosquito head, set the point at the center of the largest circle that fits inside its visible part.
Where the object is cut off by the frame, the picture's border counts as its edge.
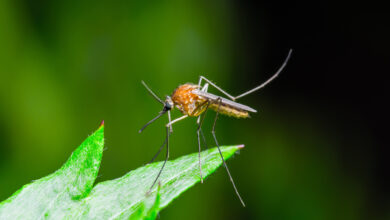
(168, 104)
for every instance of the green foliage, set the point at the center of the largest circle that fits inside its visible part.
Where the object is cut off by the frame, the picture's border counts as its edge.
(69, 193)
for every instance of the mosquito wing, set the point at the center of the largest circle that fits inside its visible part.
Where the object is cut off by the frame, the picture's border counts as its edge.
(223, 100)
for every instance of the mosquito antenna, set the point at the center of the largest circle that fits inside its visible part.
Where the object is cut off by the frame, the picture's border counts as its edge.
(154, 119)
(270, 79)
(152, 93)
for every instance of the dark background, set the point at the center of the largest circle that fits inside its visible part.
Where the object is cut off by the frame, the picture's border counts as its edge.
(315, 150)
(339, 70)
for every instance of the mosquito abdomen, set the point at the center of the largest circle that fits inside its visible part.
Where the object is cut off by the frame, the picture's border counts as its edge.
(229, 110)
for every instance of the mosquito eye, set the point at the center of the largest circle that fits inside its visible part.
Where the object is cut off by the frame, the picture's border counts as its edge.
(167, 106)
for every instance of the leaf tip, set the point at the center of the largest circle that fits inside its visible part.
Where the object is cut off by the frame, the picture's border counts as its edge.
(240, 146)
(101, 124)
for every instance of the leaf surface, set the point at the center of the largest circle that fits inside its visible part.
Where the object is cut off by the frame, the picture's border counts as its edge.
(69, 193)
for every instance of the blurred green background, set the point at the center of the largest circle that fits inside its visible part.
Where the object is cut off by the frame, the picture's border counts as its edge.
(310, 152)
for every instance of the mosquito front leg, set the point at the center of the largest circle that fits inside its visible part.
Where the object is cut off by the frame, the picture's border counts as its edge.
(219, 100)
(165, 141)
(158, 152)
(165, 161)
(169, 118)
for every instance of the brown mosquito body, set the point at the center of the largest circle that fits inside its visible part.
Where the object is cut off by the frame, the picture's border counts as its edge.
(187, 102)
(193, 100)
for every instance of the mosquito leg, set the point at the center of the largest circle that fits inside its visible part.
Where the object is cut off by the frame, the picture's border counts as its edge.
(168, 126)
(224, 163)
(169, 118)
(165, 161)
(204, 139)
(165, 141)
(176, 120)
(198, 134)
(254, 89)
(205, 87)
(269, 80)
(215, 86)
(200, 163)
(158, 152)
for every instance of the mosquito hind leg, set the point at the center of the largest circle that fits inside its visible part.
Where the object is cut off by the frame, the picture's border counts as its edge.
(254, 89)
(219, 100)
(215, 86)
(268, 80)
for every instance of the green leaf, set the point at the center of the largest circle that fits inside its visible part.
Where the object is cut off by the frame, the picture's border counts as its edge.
(67, 194)
(151, 214)
(53, 196)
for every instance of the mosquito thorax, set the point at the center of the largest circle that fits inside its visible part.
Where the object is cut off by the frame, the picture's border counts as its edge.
(186, 101)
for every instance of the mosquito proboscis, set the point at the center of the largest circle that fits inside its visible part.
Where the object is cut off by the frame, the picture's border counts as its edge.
(193, 100)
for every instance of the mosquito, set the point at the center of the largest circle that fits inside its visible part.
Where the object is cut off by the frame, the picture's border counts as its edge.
(193, 100)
